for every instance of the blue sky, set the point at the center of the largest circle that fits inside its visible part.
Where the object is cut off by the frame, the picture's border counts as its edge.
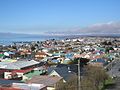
(37, 16)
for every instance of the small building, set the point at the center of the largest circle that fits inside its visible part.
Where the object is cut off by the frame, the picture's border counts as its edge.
(13, 70)
(24, 86)
(63, 72)
(7, 84)
(98, 62)
(40, 55)
(50, 81)
(18, 85)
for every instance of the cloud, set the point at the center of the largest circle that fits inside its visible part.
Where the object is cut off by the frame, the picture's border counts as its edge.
(100, 28)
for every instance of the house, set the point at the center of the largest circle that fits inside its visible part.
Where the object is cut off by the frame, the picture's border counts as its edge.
(50, 81)
(14, 70)
(57, 55)
(55, 61)
(7, 84)
(66, 61)
(98, 62)
(69, 55)
(45, 50)
(36, 71)
(63, 72)
(9, 54)
(24, 86)
(71, 67)
(4, 82)
(40, 55)
(1, 54)
(18, 85)
(25, 53)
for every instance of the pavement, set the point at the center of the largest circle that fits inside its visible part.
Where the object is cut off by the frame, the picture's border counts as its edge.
(115, 86)
(114, 68)
(114, 71)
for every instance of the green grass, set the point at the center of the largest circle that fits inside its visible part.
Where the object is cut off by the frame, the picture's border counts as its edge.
(108, 82)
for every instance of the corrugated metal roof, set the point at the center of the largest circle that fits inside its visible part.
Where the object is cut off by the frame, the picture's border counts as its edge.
(24, 86)
(17, 64)
(22, 64)
(8, 82)
(46, 80)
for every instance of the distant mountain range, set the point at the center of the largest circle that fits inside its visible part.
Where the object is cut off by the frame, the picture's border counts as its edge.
(50, 35)
(101, 29)
(27, 37)
(11, 35)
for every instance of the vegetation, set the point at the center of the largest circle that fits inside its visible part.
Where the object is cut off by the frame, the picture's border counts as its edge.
(83, 61)
(95, 78)
(71, 84)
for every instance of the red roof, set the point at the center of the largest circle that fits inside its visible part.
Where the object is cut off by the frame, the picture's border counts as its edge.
(2, 71)
(15, 71)
(9, 88)
(23, 71)
(41, 53)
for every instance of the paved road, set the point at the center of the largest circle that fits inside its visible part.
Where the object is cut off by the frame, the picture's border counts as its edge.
(115, 71)
(114, 68)
(115, 86)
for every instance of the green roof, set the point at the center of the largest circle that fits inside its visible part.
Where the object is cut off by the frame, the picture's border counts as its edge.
(1, 55)
(33, 73)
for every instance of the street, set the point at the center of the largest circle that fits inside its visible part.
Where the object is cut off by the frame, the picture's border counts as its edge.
(114, 68)
(114, 71)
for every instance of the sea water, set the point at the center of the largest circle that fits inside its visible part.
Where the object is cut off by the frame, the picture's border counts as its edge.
(9, 41)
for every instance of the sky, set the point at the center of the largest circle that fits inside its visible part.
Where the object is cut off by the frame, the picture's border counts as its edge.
(39, 16)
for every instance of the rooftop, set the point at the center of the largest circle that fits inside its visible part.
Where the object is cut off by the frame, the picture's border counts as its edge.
(46, 80)
(17, 64)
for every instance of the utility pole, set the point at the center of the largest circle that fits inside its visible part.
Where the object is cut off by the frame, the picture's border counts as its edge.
(79, 87)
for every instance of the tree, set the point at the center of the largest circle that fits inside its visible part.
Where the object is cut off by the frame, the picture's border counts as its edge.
(71, 84)
(95, 76)
(83, 61)
(106, 43)
(33, 48)
(86, 84)
(108, 49)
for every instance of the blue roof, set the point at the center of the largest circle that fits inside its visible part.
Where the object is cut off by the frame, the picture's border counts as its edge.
(57, 54)
(8, 82)
(99, 60)
(55, 61)
(69, 55)
(10, 52)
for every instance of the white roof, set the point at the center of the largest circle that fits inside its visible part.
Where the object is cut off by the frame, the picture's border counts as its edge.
(17, 64)
(29, 86)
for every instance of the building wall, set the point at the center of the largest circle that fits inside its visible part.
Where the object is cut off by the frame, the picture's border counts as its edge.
(7, 75)
(54, 73)
(24, 78)
(50, 88)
